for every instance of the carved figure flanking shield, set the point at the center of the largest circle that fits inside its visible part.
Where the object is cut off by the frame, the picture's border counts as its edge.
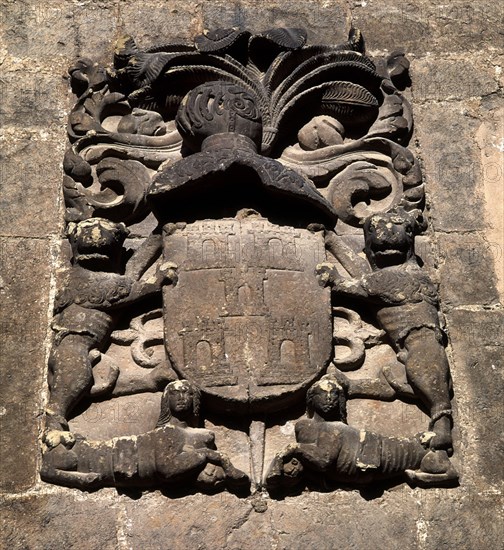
(242, 213)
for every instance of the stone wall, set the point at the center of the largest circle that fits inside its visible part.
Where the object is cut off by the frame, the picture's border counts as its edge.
(456, 53)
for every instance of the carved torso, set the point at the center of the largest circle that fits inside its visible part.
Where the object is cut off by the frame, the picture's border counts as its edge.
(93, 289)
(399, 285)
(405, 299)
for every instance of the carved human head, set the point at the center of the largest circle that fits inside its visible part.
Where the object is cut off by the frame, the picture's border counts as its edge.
(390, 237)
(327, 398)
(97, 241)
(181, 400)
(217, 108)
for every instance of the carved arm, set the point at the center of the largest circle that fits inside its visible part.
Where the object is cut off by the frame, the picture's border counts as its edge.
(329, 276)
(144, 257)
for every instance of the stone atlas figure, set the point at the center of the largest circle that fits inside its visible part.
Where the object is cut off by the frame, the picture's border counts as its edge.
(173, 452)
(219, 196)
(84, 310)
(328, 448)
(406, 308)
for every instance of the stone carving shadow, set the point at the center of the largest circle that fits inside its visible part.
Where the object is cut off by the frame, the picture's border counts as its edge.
(368, 493)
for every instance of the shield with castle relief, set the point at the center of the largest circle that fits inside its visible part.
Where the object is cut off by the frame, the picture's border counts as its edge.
(247, 320)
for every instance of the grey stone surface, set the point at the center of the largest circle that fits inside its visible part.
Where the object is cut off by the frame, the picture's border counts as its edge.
(325, 22)
(44, 522)
(33, 99)
(489, 142)
(24, 289)
(449, 79)
(152, 22)
(391, 520)
(452, 166)
(319, 520)
(96, 28)
(477, 339)
(156, 520)
(461, 521)
(463, 273)
(30, 180)
(428, 26)
(38, 30)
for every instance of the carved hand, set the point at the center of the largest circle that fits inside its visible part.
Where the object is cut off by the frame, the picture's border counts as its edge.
(326, 273)
(167, 273)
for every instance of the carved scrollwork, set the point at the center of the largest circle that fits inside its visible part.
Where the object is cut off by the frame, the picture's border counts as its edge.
(86, 74)
(352, 336)
(360, 177)
(121, 194)
(144, 338)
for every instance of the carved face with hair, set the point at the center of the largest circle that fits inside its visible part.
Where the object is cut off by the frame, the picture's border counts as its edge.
(96, 240)
(389, 237)
(180, 399)
(327, 398)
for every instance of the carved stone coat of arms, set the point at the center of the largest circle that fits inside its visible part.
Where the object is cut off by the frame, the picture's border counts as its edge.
(242, 213)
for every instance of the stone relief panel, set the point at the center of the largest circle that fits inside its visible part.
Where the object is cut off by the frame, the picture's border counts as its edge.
(242, 278)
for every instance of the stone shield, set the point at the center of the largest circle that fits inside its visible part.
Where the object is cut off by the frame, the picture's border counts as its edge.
(247, 321)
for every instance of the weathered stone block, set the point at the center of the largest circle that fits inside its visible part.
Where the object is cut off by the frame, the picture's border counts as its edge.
(423, 27)
(490, 142)
(30, 180)
(24, 274)
(303, 521)
(33, 99)
(57, 521)
(151, 21)
(445, 79)
(452, 167)
(325, 23)
(465, 273)
(474, 520)
(156, 521)
(39, 30)
(477, 339)
(310, 521)
(96, 28)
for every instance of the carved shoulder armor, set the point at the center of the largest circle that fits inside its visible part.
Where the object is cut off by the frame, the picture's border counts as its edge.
(399, 285)
(94, 290)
